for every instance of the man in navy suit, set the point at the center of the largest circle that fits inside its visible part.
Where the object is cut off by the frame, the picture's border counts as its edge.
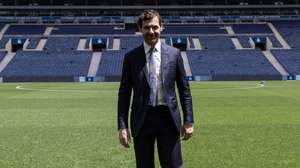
(151, 71)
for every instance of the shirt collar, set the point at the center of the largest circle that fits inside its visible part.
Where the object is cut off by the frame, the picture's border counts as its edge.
(157, 46)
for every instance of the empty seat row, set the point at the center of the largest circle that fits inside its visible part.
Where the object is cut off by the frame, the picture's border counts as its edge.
(36, 63)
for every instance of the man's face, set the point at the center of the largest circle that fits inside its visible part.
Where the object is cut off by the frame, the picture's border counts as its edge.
(151, 31)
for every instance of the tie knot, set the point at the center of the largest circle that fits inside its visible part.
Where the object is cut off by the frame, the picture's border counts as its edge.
(152, 50)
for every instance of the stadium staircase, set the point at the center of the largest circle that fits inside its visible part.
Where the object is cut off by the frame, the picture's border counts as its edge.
(116, 44)
(42, 41)
(197, 44)
(3, 30)
(41, 45)
(8, 57)
(48, 31)
(26, 44)
(8, 45)
(81, 45)
(268, 54)
(229, 30)
(236, 43)
(189, 46)
(186, 64)
(279, 37)
(95, 62)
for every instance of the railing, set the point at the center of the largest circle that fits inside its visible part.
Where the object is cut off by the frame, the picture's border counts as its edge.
(133, 19)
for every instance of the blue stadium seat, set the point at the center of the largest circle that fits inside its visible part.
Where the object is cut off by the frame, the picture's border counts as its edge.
(290, 30)
(251, 28)
(61, 44)
(289, 59)
(89, 29)
(2, 55)
(128, 43)
(41, 64)
(194, 29)
(216, 42)
(26, 30)
(111, 63)
(3, 42)
(229, 62)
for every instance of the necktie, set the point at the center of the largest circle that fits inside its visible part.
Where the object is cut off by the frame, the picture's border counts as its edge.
(152, 77)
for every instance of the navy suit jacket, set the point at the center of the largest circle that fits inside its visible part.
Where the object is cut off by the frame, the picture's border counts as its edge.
(135, 78)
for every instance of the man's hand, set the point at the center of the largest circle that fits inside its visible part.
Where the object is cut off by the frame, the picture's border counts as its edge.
(125, 137)
(187, 131)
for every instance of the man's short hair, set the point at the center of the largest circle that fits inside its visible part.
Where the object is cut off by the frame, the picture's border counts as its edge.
(148, 15)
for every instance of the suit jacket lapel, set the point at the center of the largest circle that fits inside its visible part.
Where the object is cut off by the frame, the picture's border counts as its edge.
(164, 61)
(143, 62)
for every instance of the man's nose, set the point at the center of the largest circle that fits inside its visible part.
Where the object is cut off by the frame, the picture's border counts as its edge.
(151, 30)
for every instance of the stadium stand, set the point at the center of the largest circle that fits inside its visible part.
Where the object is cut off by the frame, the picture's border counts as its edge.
(167, 39)
(33, 42)
(242, 64)
(220, 58)
(194, 29)
(133, 2)
(192, 45)
(45, 64)
(2, 55)
(26, 29)
(289, 59)
(110, 41)
(90, 29)
(275, 42)
(3, 42)
(290, 30)
(216, 42)
(1, 25)
(244, 40)
(218, 45)
(189, 40)
(217, 58)
(111, 64)
(61, 44)
(251, 28)
(128, 43)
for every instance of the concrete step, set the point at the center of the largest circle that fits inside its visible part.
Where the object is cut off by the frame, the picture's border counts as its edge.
(275, 63)
(95, 62)
(236, 43)
(48, 31)
(186, 63)
(116, 44)
(279, 37)
(81, 44)
(197, 43)
(8, 57)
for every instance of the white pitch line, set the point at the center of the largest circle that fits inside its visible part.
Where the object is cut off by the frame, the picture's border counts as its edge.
(234, 88)
(109, 91)
(64, 90)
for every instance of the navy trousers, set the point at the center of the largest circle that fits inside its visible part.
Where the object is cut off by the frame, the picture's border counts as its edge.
(158, 126)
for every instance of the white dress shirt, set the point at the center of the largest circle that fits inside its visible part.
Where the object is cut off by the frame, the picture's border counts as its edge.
(157, 56)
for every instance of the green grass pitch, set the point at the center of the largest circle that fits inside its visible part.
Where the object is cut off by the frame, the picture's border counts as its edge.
(73, 125)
